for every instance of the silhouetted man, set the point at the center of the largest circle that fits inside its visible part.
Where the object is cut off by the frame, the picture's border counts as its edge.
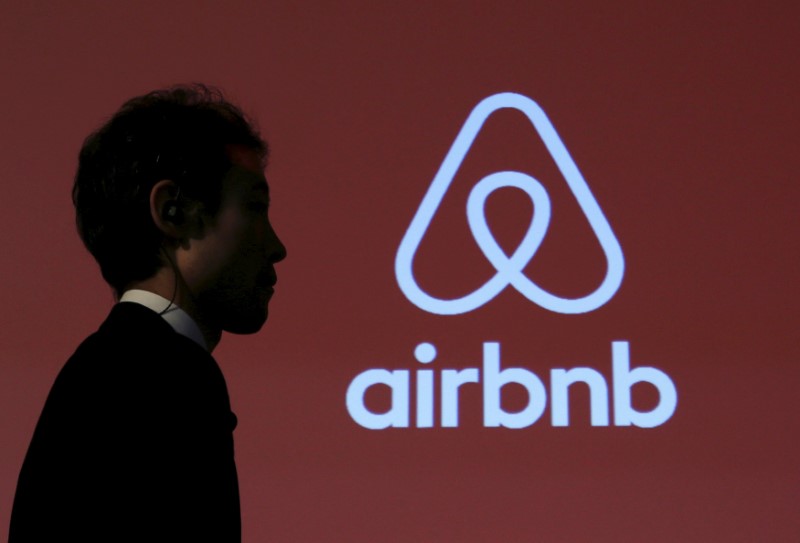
(135, 440)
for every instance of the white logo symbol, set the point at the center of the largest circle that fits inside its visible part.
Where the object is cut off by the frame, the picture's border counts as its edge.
(509, 269)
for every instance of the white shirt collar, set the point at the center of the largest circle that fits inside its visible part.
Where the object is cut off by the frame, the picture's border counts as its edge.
(177, 318)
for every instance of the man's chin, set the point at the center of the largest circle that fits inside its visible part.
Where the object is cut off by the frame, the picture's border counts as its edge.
(246, 325)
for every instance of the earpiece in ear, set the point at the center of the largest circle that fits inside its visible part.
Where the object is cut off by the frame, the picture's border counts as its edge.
(173, 213)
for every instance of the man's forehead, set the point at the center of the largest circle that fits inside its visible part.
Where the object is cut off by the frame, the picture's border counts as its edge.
(247, 171)
(246, 157)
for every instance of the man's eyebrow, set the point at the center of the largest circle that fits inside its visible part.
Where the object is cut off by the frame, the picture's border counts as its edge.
(257, 181)
(259, 188)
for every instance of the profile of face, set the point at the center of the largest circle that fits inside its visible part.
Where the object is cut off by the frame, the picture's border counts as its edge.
(230, 265)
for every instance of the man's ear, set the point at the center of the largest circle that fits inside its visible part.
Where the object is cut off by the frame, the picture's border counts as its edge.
(167, 210)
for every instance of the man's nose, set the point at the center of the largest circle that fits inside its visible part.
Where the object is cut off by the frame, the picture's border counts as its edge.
(277, 248)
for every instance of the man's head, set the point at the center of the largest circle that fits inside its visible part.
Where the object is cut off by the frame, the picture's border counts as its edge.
(175, 180)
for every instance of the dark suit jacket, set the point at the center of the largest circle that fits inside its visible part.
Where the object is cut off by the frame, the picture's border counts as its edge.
(135, 443)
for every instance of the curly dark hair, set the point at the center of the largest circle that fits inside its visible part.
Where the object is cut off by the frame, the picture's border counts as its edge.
(179, 133)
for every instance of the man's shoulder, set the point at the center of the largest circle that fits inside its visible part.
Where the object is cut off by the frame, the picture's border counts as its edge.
(134, 367)
(132, 322)
(131, 331)
(134, 347)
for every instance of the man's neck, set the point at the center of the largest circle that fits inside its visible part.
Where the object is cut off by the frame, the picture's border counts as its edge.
(165, 285)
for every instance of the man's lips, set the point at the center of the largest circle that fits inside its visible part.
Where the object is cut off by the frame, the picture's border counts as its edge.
(269, 280)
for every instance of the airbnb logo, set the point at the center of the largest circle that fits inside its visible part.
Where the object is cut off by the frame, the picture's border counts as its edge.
(426, 392)
(495, 378)
(508, 268)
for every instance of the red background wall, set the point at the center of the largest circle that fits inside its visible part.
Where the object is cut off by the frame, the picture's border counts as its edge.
(683, 119)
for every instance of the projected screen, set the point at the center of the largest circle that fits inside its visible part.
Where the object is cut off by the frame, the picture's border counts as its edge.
(541, 259)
